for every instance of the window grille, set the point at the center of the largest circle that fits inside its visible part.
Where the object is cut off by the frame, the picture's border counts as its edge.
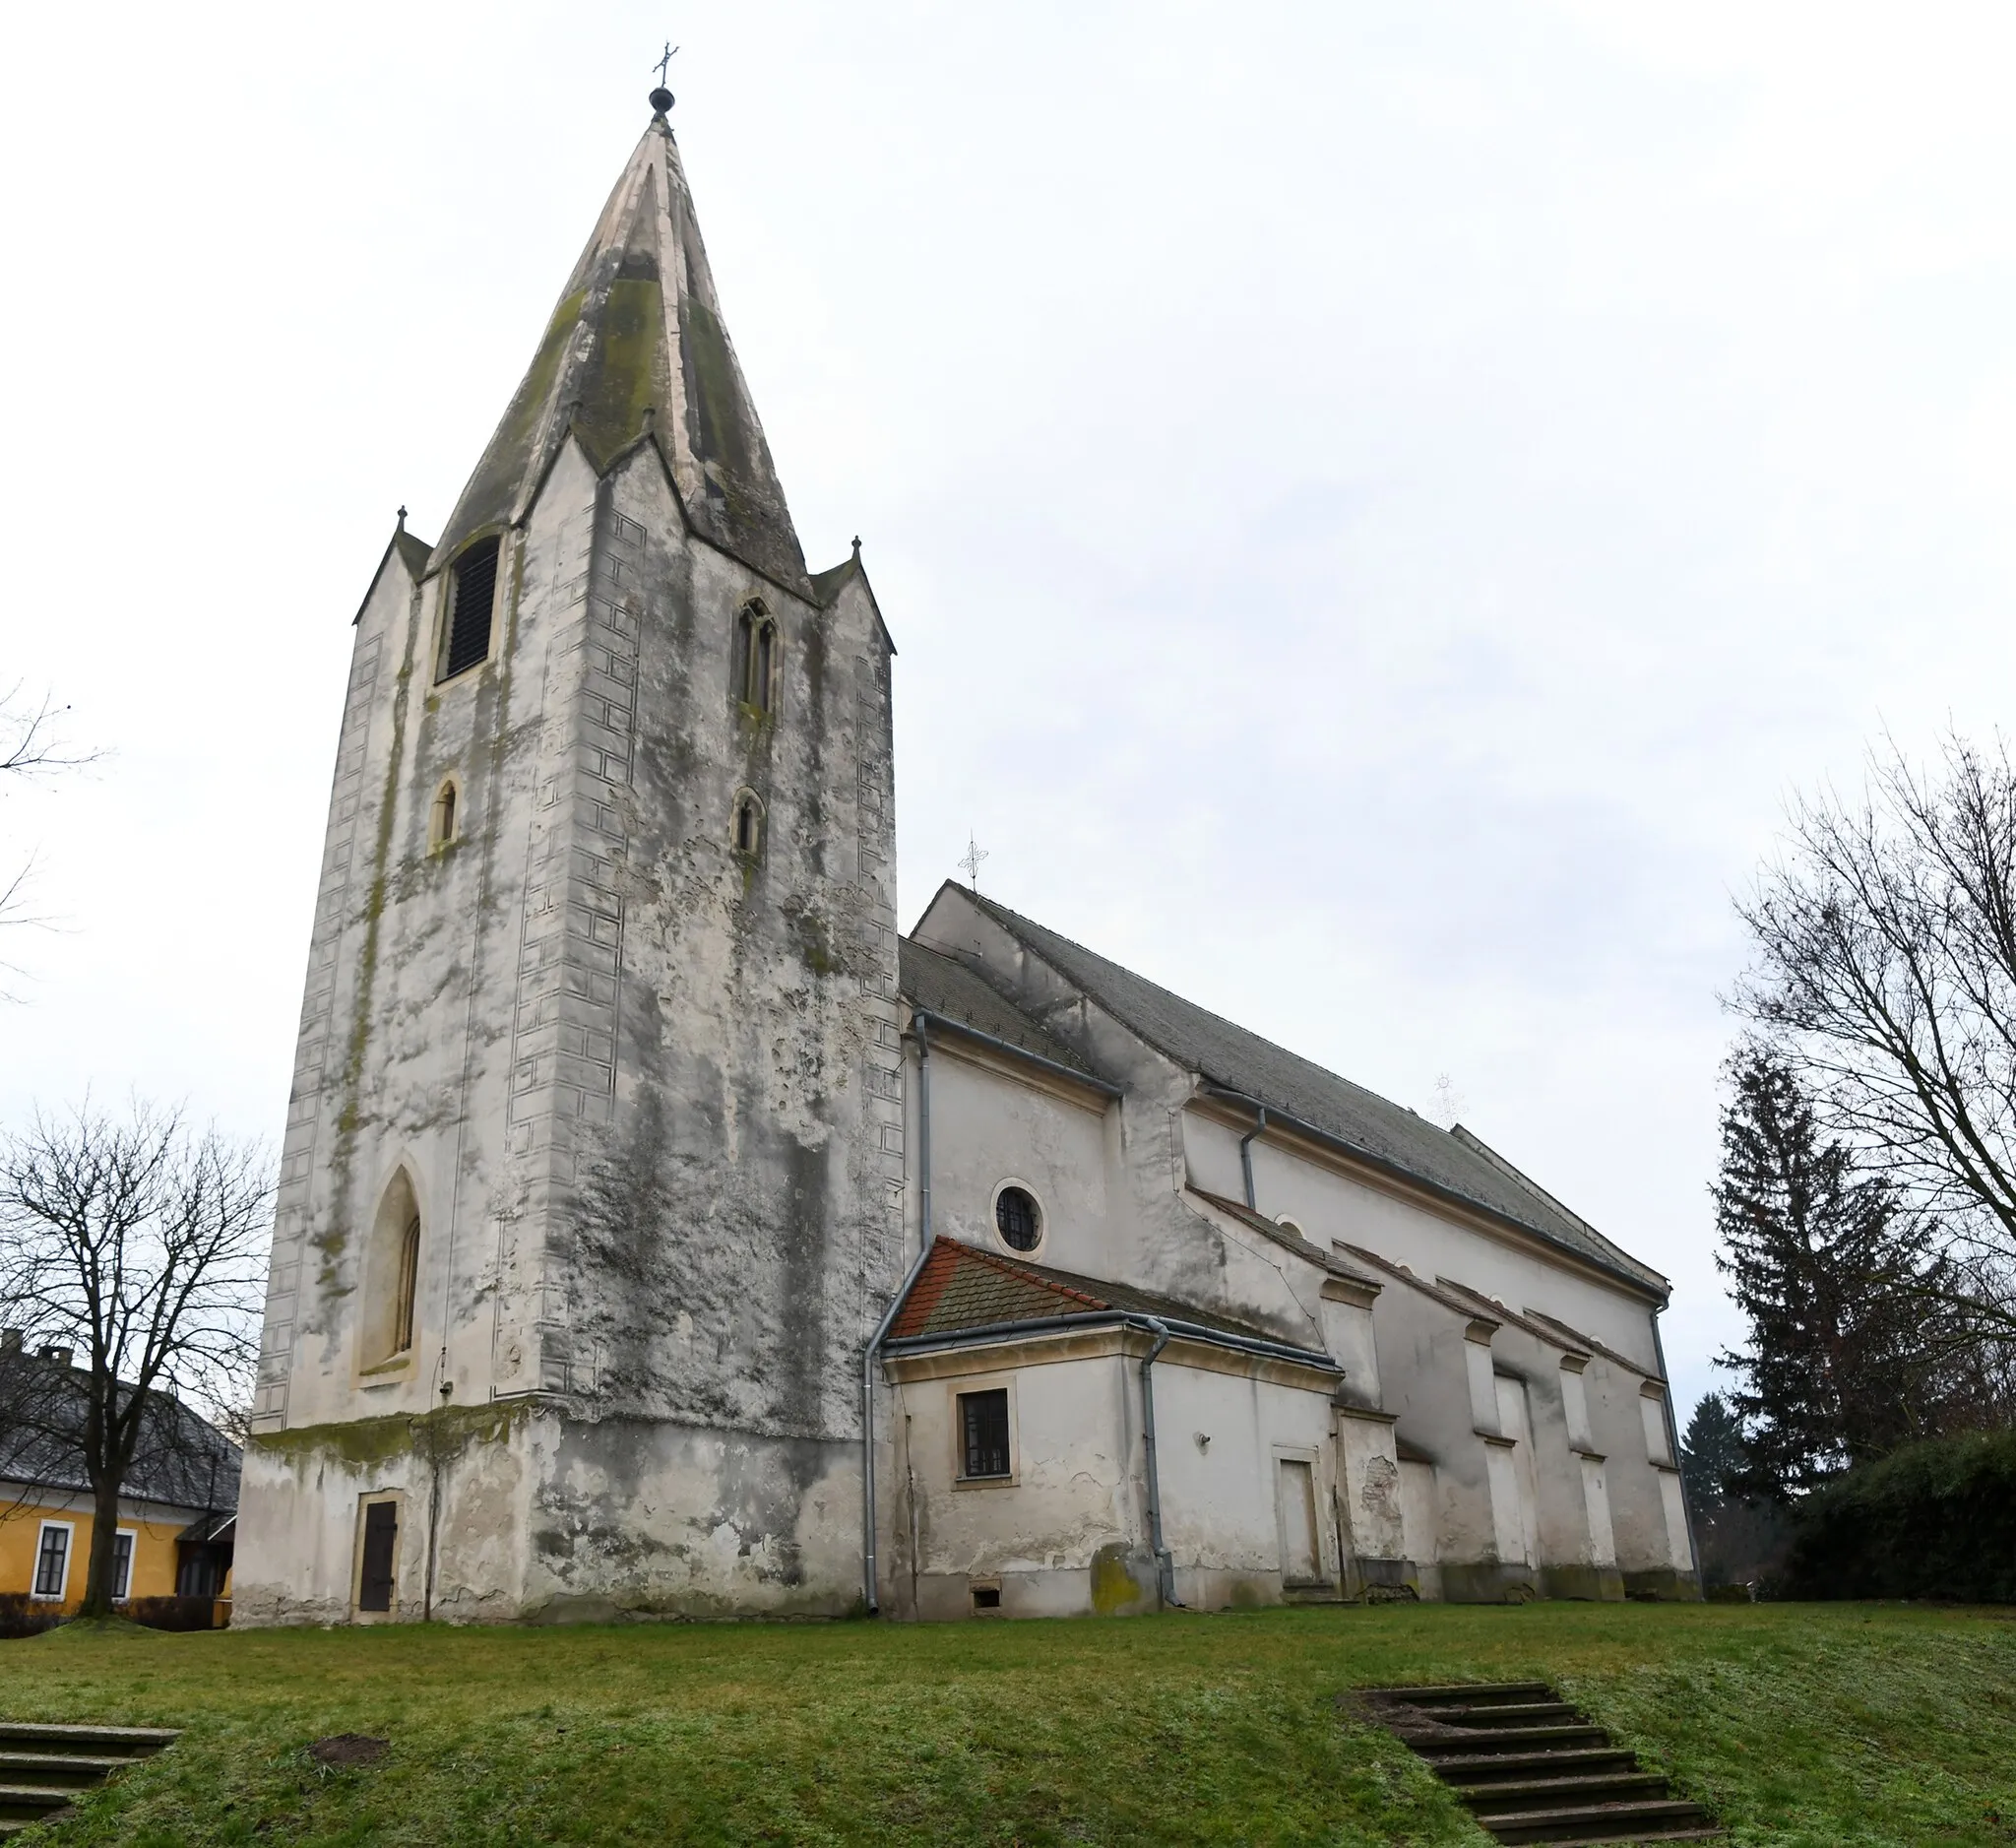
(476, 592)
(984, 1420)
(1017, 1220)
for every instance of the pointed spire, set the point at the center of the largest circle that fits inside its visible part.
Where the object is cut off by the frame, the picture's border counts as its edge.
(635, 348)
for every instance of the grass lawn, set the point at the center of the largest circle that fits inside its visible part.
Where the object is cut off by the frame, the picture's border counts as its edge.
(1811, 1724)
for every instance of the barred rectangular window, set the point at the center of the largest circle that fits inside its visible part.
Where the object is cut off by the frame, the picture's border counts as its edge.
(984, 1425)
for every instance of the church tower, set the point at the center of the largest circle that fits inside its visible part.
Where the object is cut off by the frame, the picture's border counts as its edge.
(592, 1185)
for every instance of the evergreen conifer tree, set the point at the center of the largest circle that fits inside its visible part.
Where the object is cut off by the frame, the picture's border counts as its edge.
(1712, 1454)
(1846, 1299)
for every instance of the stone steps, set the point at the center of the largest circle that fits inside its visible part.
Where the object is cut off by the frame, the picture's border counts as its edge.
(1531, 1769)
(42, 1767)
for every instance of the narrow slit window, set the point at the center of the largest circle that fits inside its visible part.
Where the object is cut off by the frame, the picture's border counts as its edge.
(748, 828)
(474, 595)
(983, 1430)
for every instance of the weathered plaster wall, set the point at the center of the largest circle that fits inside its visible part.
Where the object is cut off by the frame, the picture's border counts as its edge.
(646, 1090)
(986, 1129)
(1066, 1533)
(1329, 1205)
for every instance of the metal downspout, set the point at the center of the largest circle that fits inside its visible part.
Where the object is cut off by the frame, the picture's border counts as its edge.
(1246, 1157)
(1164, 1566)
(869, 1355)
(917, 1025)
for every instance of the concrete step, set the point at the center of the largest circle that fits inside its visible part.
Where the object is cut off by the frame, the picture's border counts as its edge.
(1486, 1800)
(124, 1742)
(1610, 1821)
(1485, 1767)
(30, 1803)
(1509, 1713)
(68, 1768)
(1531, 1770)
(1642, 1840)
(1437, 1746)
(1480, 1692)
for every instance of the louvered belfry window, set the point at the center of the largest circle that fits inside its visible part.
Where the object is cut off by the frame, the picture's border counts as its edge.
(476, 592)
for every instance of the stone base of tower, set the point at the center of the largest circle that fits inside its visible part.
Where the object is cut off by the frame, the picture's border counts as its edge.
(521, 1513)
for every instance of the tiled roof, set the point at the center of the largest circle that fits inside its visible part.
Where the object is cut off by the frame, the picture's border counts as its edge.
(1233, 1060)
(961, 1287)
(943, 984)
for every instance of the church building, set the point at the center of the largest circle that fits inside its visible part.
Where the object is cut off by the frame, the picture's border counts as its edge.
(662, 1232)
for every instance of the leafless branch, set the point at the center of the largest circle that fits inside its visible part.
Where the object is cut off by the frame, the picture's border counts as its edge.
(1884, 938)
(139, 1245)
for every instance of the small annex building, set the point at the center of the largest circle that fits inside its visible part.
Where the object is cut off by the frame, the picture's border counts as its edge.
(661, 1231)
(177, 1511)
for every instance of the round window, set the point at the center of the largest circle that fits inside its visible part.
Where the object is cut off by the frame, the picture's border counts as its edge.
(1018, 1219)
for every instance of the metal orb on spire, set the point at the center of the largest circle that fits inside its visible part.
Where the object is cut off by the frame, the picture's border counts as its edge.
(661, 97)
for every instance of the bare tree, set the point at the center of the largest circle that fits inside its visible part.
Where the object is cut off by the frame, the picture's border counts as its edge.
(139, 1245)
(1885, 968)
(31, 747)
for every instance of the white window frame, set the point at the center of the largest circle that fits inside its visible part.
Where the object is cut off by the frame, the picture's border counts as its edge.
(62, 1591)
(123, 1589)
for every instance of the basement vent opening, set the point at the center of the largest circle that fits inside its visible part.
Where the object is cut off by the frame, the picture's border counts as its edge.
(474, 594)
(987, 1597)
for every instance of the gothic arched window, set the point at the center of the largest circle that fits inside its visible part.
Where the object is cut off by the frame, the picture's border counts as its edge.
(472, 594)
(408, 1286)
(756, 657)
(391, 1277)
(442, 823)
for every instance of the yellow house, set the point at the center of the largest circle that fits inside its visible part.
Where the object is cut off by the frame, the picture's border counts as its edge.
(176, 1516)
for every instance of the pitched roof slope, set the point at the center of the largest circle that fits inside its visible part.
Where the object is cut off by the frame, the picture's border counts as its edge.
(943, 984)
(638, 329)
(961, 1287)
(183, 1460)
(1235, 1059)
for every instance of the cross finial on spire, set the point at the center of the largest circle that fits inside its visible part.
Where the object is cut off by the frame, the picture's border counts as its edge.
(970, 864)
(661, 97)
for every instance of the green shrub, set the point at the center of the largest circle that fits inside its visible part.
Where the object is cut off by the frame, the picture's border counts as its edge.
(1931, 1520)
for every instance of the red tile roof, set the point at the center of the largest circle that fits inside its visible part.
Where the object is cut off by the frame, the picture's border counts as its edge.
(963, 1287)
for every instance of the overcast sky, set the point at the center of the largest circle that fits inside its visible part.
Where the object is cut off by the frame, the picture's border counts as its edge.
(1379, 504)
